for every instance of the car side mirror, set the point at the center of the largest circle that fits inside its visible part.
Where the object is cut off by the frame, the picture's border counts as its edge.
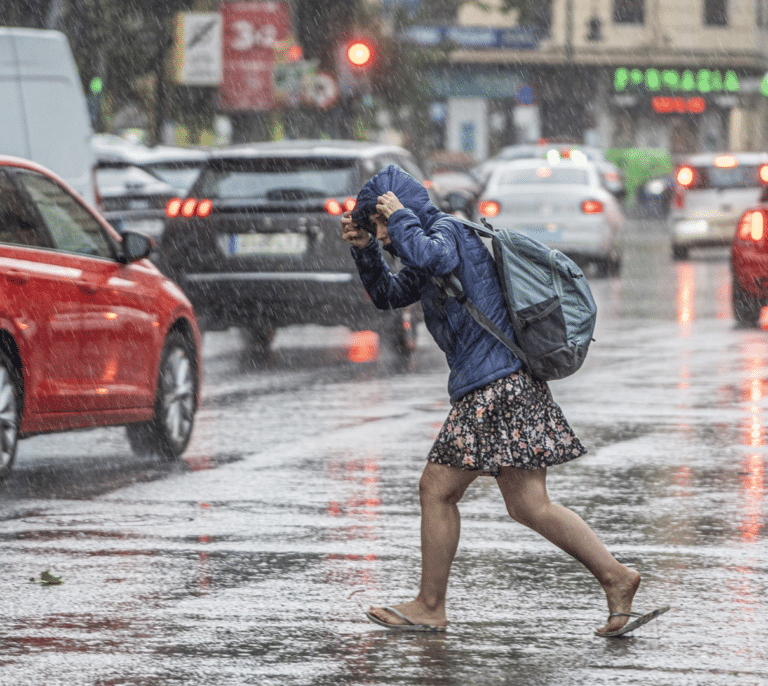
(136, 246)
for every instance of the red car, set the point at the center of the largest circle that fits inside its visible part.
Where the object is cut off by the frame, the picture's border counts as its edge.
(749, 264)
(91, 333)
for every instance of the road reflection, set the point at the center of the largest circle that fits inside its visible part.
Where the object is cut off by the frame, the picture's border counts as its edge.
(752, 468)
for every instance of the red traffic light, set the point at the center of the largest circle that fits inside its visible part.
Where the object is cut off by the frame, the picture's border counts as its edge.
(359, 54)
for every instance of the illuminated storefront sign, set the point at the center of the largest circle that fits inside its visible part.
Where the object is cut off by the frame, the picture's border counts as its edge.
(678, 104)
(688, 80)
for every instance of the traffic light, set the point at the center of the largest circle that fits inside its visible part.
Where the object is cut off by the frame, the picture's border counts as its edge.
(354, 61)
(360, 54)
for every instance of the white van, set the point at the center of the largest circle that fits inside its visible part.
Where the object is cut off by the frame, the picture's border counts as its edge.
(43, 111)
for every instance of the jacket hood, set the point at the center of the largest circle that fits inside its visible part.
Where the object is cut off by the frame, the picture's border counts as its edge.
(407, 189)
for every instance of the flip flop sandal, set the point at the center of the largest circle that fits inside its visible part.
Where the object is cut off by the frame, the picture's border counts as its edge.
(408, 626)
(631, 626)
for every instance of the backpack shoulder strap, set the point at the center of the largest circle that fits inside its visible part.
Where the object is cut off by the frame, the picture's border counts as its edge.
(452, 287)
(484, 229)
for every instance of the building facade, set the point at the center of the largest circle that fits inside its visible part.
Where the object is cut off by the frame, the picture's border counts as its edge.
(682, 75)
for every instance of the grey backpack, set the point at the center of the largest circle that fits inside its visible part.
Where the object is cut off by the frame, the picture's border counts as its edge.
(548, 300)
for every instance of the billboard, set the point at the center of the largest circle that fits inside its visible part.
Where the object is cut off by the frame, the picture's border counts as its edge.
(197, 57)
(251, 31)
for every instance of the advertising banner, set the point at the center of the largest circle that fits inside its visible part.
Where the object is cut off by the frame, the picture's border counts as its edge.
(198, 48)
(251, 31)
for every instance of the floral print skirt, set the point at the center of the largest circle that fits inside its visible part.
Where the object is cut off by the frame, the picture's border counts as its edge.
(512, 422)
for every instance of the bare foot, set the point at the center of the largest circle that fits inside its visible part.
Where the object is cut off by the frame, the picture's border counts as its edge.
(620, 593)
(415, 610)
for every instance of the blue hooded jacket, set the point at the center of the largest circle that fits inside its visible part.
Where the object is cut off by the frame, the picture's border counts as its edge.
(431, 243)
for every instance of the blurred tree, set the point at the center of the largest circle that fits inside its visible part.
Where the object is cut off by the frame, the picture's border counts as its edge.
(126, 44)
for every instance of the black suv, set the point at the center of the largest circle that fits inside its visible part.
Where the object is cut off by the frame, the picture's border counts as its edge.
(257, 244)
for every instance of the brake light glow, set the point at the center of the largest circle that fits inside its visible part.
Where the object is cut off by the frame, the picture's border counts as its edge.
(591, 207)
(763, 173)
(725, 161)
(333, 206)
(188, 207)
(685, 176)
(173, 207)
(204, 208)
(752, 226)
(489, 208)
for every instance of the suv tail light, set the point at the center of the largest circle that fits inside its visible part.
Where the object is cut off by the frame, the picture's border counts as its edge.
(489, 208)
(591, 207)
(685, 176)
(190, 207)
(333, 206)
(173, 207)
(752, 226)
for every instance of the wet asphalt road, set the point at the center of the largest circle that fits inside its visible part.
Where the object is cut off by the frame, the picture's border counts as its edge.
(253, 560)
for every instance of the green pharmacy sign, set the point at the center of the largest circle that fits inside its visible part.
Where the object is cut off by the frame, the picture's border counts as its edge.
(690, 81)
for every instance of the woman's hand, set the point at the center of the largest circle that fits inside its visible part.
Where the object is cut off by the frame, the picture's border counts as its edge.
(352, 233)
(388, 204)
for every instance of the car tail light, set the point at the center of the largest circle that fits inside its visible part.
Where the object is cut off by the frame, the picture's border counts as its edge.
(763, 173)
(591, 207)
(173, 207)
(333, 206)
(489, 208)
(685, 176)
(752, 226)
(725, 161)
(188, 207)
(204, 208)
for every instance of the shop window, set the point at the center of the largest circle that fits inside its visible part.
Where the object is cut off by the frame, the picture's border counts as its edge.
(629, 11)
(716, 12)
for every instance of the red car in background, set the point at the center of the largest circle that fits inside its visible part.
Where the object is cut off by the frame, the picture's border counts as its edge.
(91, 333)
(749, 265)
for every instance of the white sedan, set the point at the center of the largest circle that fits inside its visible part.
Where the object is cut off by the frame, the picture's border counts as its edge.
(560, 203)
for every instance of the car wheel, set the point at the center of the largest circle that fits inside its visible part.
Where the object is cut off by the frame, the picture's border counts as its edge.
(258, 341)
(399, 339)
(679, 252)
(610, 266)
(746, 307)
(167, 434)
(10, 412)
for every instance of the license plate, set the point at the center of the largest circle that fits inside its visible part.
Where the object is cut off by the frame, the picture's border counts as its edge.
(267, 244)
(543, 232)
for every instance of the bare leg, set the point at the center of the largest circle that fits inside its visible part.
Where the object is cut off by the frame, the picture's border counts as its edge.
(440, 489)
(525, 495)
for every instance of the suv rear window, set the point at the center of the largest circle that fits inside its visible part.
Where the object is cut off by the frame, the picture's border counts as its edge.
(277, 178)
(543, 174)
(741, 176)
